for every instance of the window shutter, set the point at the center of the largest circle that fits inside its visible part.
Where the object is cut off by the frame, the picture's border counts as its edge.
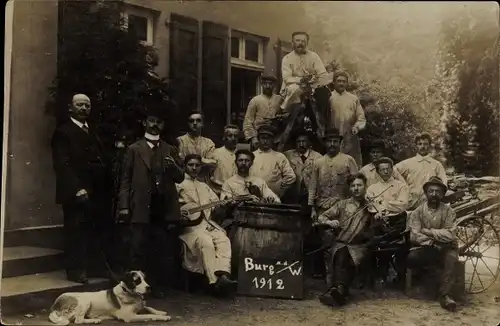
(215, 67)
(184, 38)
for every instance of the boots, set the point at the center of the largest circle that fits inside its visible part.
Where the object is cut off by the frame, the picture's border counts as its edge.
(448, 303)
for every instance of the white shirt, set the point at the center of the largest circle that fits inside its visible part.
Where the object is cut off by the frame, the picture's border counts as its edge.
(151, 137)
(79, 124)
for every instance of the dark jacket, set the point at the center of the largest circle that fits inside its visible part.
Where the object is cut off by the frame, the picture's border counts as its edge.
(78, 160)
(135, 182)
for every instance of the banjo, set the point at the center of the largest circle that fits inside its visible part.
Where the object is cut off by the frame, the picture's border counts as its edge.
(193, 211)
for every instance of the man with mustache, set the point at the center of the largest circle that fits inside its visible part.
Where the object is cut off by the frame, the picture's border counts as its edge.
(194, 143)
(329, 175)
(347, 115)
(433, 236)
(419, 169)
(81, 174)
(389, 199)
(273, 167)
(225, 158)
(377, 150)
(299, 68)
(302, 160)
(350, 250)
(261, 109)
(207, 249)
(243, 184)
(148, 208)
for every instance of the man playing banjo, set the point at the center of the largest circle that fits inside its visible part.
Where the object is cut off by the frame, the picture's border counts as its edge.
(207, 249)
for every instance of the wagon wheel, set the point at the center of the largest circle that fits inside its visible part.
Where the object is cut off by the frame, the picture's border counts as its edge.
(479, 248)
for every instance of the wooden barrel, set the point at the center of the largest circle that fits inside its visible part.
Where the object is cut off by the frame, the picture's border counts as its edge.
(267, 230)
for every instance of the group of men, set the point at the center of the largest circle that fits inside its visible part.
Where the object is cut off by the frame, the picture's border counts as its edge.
(188, 191)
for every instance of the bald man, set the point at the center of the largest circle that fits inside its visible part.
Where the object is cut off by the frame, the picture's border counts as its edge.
(81, 175)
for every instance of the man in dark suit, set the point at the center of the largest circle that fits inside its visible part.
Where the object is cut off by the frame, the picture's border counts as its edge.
(80, 170)
(148, 203)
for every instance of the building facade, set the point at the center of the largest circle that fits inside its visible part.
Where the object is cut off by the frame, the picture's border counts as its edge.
(214, 52)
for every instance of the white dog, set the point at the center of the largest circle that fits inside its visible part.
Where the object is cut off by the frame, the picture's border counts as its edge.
(123, 302)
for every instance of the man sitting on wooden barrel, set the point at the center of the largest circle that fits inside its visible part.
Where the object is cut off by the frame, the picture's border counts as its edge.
(349, 250)
(433, 236)
(207, 249)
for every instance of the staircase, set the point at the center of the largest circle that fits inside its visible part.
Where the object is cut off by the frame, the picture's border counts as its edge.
(33, 270)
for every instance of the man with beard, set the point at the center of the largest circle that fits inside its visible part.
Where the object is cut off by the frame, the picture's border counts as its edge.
(299, 68)
(80, 167)
(261, 109)
(419, 169)
(377, 150)
(207, 249)
(302, 160)
(347, 116)
(194, 143)
(433, 235)
(329, 175)
(350, 250)
(225, 158)
(273, 167)
(243, 184)
(389, 201)
(147, 203)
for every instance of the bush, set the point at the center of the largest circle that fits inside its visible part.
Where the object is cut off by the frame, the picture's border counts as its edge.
(101, 59)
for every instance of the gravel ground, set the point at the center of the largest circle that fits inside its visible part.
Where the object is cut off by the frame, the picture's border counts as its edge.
(386, 308)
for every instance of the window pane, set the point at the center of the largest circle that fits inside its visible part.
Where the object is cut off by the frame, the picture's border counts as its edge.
(235, 47)
(139, 26)
(251, 50)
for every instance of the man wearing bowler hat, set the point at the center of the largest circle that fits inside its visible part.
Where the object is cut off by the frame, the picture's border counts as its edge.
(330, 174)
(434, 240)
(377, 150)
(261, 109)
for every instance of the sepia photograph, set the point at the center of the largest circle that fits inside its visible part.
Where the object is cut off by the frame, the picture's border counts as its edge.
(182, 162)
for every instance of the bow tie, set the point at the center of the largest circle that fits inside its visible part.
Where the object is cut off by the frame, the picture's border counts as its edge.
(424, 159)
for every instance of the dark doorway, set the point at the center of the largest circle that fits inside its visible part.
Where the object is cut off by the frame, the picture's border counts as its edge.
(243, 88)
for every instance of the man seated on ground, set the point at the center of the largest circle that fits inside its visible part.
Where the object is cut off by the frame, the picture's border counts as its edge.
(389, 201)
(377, 150)
(433, 236)
(207, 249)
(242, 184)
(352, 220)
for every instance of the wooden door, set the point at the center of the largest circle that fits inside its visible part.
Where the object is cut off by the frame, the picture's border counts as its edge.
(184, 38)
(215, 65)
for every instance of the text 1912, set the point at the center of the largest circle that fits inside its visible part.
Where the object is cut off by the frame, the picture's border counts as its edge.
(262, 282)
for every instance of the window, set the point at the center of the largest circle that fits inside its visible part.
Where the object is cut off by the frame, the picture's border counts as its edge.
(247, 50)
(140, 21)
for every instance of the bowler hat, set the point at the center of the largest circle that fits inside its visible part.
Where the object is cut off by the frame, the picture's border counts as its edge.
(435, 181)
(156, 111)
(266, 129)
(332, 133)
(269, 78)
(377, 144)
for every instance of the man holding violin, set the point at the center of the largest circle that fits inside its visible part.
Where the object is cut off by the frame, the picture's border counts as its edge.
(350, 227)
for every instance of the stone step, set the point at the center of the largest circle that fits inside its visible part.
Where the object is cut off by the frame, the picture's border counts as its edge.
(30, 293)
(25, 260)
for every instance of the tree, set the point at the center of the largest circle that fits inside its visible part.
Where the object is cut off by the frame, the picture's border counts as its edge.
(468, 85)
(100, 58)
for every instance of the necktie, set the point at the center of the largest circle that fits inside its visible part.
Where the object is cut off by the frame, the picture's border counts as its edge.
(303, 158)
(85, 128)
(154, 143)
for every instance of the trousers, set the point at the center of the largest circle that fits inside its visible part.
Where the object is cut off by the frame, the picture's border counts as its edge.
(443, 257)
